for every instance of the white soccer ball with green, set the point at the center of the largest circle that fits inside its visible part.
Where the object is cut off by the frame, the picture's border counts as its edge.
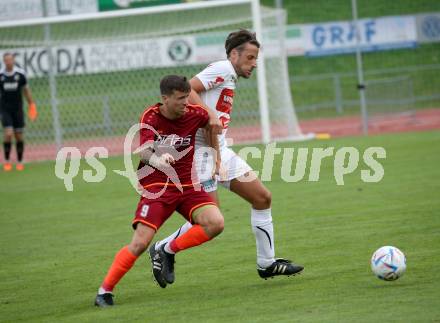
(388, 263)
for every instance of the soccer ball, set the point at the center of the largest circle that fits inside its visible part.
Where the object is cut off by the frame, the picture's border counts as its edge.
(388, 263)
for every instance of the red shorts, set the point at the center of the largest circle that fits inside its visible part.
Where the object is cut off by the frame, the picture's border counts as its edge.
(154, 212)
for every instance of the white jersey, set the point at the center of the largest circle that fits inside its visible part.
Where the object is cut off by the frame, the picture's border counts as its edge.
(219, 80)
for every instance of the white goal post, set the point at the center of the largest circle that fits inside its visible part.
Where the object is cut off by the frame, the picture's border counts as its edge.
(106, 67)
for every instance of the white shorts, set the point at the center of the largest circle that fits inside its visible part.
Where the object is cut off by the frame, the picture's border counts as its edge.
(232, 164)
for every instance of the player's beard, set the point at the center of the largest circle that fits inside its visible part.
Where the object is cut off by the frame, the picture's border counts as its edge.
(247, 74)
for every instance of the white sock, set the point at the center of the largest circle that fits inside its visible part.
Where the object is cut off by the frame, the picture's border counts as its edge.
(168, 249)
(175, 235)
(262, 227)
(102, 291)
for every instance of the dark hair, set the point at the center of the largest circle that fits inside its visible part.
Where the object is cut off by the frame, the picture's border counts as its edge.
(171, 83)
(238, 39)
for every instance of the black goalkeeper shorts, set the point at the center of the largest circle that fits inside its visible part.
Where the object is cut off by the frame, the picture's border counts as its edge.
(13, 118)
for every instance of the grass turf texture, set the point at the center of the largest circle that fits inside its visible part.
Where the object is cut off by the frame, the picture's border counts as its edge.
(57, 246)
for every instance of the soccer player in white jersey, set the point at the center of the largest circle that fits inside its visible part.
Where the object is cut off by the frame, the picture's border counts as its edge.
(214, 88)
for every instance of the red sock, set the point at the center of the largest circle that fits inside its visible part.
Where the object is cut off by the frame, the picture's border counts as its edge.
(193, 237)
(123, 262)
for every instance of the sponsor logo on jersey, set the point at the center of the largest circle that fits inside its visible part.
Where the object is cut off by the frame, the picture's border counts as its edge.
(228, 99)
(225, 100)
(10, 86)
(173, 141)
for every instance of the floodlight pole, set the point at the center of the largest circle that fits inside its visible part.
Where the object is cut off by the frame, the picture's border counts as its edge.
(52, 80)
(360, 72)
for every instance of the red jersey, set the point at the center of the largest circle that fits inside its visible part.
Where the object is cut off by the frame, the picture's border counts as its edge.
(175, 137)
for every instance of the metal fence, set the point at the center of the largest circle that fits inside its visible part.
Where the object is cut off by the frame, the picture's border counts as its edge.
(406, 88)
(388, 91)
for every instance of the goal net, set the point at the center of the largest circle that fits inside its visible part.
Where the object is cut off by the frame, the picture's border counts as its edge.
(92, 74)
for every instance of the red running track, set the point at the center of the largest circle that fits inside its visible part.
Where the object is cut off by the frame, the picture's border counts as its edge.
(421, 120)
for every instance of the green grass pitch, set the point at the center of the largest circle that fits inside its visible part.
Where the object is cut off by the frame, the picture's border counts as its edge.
(56, 247)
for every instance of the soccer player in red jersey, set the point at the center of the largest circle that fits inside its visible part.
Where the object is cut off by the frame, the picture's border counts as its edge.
(214, 89)
(167, 138)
